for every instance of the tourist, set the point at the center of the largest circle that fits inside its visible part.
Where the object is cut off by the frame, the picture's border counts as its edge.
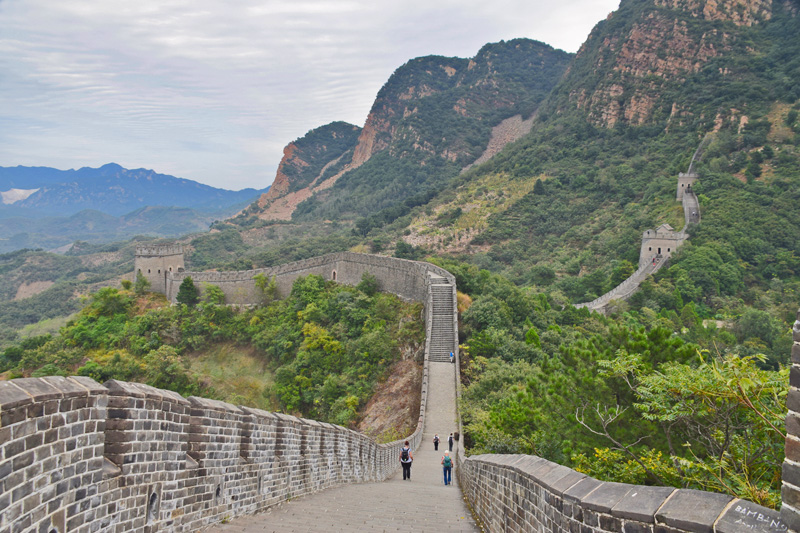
(436, 442)
(406, 457)
(447, 468)
(452, 357)
(450, 441)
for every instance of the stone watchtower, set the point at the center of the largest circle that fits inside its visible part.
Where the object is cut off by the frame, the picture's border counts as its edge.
(685, 181)
(154, 262)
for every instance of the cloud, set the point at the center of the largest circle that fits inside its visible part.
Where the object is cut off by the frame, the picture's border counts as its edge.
(213, 91)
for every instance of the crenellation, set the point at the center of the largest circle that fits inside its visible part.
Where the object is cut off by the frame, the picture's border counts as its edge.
(526, 493)
(123, 458)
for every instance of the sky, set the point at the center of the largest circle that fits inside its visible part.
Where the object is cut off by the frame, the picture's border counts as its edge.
(213, 91)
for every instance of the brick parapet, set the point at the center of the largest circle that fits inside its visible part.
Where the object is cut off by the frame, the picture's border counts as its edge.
(790, 479)
(403, 277)
(79, 456)
(530, 494)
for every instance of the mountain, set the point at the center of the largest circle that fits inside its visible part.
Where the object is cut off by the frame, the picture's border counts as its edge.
(604, 133)
(96, 227)
(111, 189)
(433, 117)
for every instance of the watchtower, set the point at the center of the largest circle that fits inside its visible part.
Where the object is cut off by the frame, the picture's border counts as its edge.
(685, 181)
(659, 244)
(155, 262)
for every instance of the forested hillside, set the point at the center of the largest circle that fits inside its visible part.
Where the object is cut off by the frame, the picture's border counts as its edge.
(318, 353)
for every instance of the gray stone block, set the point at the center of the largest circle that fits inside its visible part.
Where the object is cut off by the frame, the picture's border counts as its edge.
(214, 405)
(794, 376)
(12, 396)
(66, 386)
(38, 388)
(789, 495)
(122, 388)
(791, 448)
(89, 384)
(791, 474)
(692, 510)
(747, 516)
(579, 490)
(793, 400)
(641, 503)
(790, 516)
(560, 479)
(606, 496)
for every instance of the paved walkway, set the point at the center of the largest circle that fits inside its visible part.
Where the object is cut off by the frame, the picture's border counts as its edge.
(422, 504)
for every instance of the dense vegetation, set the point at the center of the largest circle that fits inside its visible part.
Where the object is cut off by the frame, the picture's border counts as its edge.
(321, 351)
(639, 397)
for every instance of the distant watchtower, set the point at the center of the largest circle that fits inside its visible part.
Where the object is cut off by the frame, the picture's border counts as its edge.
(154, 262)
(685, 182)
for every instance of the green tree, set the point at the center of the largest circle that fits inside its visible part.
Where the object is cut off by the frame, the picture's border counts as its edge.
(187, 292)
(368, 284)
(268, 288)
(212, 294)
(141, 285)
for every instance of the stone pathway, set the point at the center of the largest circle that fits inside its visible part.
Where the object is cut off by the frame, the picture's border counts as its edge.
(422, 504)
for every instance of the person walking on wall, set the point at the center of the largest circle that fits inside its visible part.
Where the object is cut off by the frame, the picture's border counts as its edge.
(452, 357)
(436, 442)
(447, 468)
(450, 441)
(406, 457)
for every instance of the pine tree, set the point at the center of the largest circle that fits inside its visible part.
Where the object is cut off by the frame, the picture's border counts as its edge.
(187, 292)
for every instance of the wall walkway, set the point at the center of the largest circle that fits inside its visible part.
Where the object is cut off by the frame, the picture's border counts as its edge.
(422, 504)
(650, 264)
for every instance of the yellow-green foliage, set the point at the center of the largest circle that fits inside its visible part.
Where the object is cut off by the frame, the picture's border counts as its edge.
(237, 373)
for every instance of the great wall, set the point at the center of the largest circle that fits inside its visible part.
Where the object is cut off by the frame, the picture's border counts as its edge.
(659, 244)
(79, 456)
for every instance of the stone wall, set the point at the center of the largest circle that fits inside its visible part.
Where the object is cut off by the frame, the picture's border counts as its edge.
(407, 279)
(78, 456)
(530, 494)
(790, 492)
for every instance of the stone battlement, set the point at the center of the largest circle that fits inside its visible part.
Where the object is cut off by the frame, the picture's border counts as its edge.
(80, 456)
(407, 279)
(159, 250)
(530, 494)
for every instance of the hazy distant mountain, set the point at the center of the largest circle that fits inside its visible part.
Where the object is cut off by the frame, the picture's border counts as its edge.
(55, 232)
(110, 189)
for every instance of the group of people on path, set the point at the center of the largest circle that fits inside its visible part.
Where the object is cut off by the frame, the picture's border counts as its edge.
(406, 458)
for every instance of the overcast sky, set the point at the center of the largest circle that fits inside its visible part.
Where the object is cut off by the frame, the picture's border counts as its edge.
(212, 91)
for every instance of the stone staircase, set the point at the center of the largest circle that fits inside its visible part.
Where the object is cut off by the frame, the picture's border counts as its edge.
(442, 333)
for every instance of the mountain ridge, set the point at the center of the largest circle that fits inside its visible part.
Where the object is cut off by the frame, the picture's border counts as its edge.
(111, 189)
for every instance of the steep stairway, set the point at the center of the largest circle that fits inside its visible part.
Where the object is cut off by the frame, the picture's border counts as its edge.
(442, 334)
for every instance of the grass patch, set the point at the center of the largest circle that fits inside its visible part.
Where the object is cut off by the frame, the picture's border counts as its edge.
(238, 373)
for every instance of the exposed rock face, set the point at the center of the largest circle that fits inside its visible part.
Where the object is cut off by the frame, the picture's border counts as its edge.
(651, 50)
(304, 166)
(281, 184)
(740, 12)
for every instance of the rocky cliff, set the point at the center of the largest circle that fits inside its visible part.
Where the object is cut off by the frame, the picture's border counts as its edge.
(305, 166)
(631, 63)
(431, 107)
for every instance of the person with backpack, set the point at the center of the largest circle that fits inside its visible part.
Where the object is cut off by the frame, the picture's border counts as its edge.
(436, 442)
(406, 457)
(447, 467)
(450, 441)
